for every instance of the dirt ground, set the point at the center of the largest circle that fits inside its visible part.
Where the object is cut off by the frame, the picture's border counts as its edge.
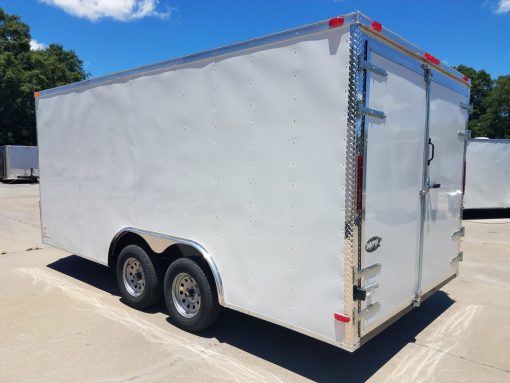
(61, 320)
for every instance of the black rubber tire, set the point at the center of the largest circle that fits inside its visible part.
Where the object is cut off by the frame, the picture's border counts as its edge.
(209, 309)
(152, 291)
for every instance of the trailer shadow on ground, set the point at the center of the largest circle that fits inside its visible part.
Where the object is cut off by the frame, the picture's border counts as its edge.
(485, 213)
(295, 352)
(27, 180)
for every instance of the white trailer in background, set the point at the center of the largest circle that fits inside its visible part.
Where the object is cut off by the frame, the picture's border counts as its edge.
(487, 174)
(18, 162)
(312, 178)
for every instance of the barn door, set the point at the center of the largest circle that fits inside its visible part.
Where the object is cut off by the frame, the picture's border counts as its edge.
(414, 122)
(393, 176)
(443, 203)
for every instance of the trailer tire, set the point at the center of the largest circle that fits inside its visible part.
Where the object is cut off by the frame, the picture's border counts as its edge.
(190, 295)
(137, 277)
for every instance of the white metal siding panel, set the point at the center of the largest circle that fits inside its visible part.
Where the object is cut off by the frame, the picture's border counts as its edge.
(487, 174)
(244, 154)
(291, 198)
(59, 183)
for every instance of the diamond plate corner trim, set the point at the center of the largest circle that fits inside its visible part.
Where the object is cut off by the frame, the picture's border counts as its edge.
(354, 147)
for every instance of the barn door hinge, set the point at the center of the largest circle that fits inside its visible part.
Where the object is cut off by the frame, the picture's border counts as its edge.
(362, 109)
(465, 133)
(468, 107)
(360, 273)
(363, 64)
(459, 257)
(459, 233)
(367, 311)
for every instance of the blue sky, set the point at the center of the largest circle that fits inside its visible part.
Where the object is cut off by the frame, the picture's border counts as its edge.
(112, 35)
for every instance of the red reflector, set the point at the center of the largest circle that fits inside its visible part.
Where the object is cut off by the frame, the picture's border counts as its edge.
(336, 22)
(342, 318)
(432, 59)
(376, 26)
(360, 182)
(465, 78)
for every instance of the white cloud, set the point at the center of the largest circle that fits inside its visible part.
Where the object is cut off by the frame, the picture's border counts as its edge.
(122, 10)
(503, 7)
(36, 45)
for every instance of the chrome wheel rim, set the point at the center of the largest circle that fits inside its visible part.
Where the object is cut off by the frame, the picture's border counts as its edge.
(133, 276)
(186, 295)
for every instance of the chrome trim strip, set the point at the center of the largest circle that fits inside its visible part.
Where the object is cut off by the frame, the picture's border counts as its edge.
(160, 242)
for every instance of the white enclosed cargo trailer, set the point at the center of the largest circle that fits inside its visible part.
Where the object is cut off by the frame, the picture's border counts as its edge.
(18, 162)
(312, 178)
(487, 174)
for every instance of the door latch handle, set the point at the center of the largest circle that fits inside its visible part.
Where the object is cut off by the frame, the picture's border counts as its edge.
(428, 187)
(433, 152)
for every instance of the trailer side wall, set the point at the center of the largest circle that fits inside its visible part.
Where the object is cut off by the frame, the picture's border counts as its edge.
(18, 161)
(243, 153)
(487, 174)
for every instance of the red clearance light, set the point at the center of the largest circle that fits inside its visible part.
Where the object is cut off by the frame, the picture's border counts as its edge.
(342, 318)
(336, 22)
(376, 26)
(465, 78)
(432, 59)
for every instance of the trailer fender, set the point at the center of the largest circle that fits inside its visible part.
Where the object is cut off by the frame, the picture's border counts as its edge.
(158, 243)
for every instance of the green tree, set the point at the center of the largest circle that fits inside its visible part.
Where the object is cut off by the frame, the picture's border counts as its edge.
(496, 120)
(22, 72)
(481, 87)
